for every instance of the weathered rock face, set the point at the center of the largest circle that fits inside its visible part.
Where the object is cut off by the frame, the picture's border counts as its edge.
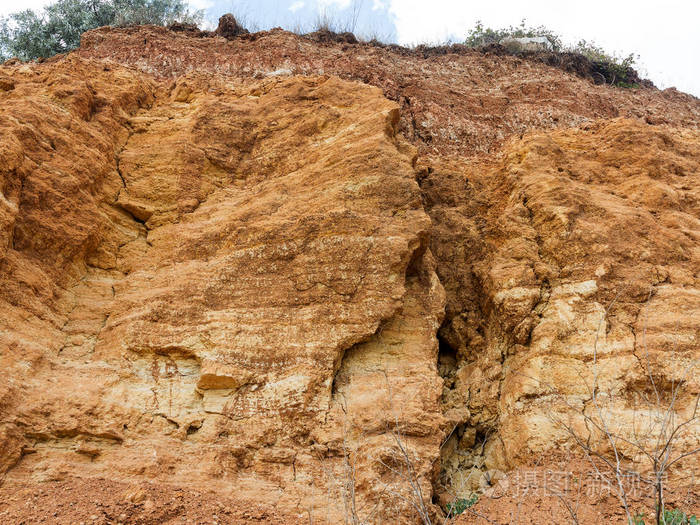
(536, 248)
(183, 307)
(220, 276)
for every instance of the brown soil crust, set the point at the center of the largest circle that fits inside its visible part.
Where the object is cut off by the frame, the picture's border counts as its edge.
(101, 501)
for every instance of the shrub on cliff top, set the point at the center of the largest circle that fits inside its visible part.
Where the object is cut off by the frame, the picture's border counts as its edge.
(482, 36)
(29, 35)
(606, 67)
(617, 70)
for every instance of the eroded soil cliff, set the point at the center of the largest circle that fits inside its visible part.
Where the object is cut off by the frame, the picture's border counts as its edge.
(274, 279)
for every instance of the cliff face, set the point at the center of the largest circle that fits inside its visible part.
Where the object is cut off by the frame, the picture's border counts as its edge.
(328, 276)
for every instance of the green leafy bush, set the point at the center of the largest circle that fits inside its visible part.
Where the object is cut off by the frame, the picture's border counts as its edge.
(460, 505)
(29, 35)
(617, 69)
(678, 517)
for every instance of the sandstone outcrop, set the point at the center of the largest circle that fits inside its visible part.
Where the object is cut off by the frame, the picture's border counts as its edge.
(191, 298)
(309, 280)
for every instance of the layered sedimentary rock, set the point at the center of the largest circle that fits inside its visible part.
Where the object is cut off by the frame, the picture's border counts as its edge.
(323, 282)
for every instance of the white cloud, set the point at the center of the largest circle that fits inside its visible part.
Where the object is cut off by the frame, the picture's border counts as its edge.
(10, 6)
(342, 4)
(296, 6)
(201, 4)
(664, 34)
(378, 4)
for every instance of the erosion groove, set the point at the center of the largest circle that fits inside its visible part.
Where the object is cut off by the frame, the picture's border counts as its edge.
(369, 284)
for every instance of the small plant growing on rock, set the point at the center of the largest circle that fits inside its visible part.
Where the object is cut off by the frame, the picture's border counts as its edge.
(462, 504)
(669, 517)
(678, 517)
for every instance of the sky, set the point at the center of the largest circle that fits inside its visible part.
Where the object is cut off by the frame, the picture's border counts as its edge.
(666, 35)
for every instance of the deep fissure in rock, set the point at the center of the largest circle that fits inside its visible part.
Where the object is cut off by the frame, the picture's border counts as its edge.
(462, 454)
